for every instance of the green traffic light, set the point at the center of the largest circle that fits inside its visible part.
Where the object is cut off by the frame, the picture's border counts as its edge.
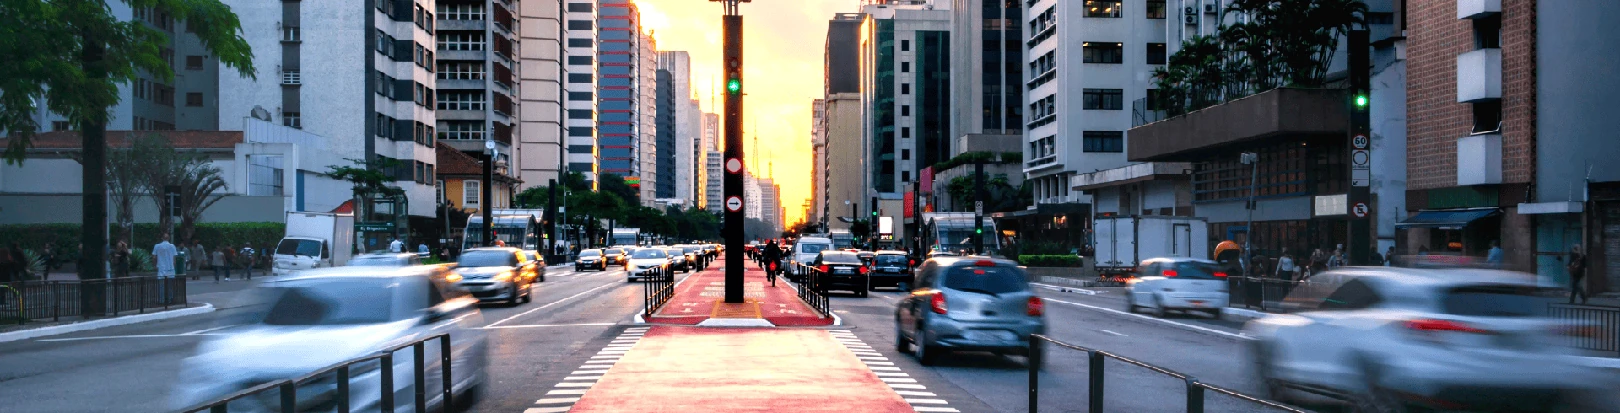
(733, 85)
(1361, 101)
(978, 230)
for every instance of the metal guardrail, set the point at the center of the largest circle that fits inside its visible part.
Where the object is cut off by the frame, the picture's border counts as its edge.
(658, 291)
(812, 290)
(1097, 359)
(288, 388)
(39, 300)
(1259, 293)
(1605, 320)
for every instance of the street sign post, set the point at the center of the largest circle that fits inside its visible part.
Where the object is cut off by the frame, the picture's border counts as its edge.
(732, 67)
(1359, 194)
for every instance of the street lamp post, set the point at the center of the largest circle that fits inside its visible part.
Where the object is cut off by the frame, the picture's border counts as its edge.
(1252, 159)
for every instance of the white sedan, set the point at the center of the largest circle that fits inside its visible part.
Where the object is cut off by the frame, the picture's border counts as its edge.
(1181, 284)
(645, 261)
(1384, 338)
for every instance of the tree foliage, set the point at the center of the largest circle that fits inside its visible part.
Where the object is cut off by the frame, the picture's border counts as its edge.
(367, 178)
(45, 57)
(1002, 196)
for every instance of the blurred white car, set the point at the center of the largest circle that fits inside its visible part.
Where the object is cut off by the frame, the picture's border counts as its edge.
(644, 261)
(324, 317)
(1384, 338)
(1181, 284)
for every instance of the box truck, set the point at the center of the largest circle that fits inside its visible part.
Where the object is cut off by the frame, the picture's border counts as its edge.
(314, 240)
(1123, 242)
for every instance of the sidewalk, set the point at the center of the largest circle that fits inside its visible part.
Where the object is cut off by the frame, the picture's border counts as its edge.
(699, 300)
(693, 369)
(203, 295)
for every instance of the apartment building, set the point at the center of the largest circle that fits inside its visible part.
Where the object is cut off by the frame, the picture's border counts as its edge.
(540, 112)
(664, 157)
(816, 209)
(188, 102)
(905, 69)
(845, 158)
(646, 117)
(476, 77)
(713, 178)
(686, 126)
(580, 84)
(987, 67)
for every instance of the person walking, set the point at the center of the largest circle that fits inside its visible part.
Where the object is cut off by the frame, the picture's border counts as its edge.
(1318, 262)
(163, 253)
(120, 260)
(246, 256)
(47, 257)
(1494, 256)
(1286, 268)
(228, 258)
(395, 245)
(1389, 257)
(217, 261)
(1577, 274)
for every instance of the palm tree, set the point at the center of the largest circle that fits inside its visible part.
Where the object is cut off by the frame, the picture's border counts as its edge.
(201, 185)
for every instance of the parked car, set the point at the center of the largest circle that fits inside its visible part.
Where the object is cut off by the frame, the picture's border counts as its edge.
(645, 262)
(590, 259)
(386, 260)
(842, 271)
(327, 316)
(968, 304)
(891, 269)
(615, 256)
(497, 274)
(1454, 339)
(1179, 284)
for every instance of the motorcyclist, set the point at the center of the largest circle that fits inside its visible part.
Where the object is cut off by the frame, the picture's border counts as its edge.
(772, 258)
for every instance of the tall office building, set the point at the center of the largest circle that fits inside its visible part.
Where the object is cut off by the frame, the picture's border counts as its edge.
(646, 111)
(361, 73)
(713, 184)
(905, 69)
(816, 208)
(987, 67)
(770, 203)
(540, 93)
(664, 157)
(618, 87)
(580, 101)
(189, 102)
(845, 179)
(687, 124)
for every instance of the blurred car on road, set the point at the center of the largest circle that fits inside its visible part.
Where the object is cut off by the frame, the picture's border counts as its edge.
(386, 260)
(497, 274)
(537, 263)
(678, 260)
(646, 263)
(590, 259)
(891, 269)
(1387, 339)
(615, 256)
(323, 317)
(968, 304)
(842, 271)
(1178, 284)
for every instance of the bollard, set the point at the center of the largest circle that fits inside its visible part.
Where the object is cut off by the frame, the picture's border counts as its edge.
(1096, 396)
(1034, 372)
(343, 389)
(386, 402)
(1195, 396)
(420, 377)
(289, 397)
(444, 360)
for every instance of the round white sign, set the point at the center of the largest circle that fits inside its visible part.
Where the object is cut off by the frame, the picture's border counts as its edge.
(733, 165)
(734, 204)
(490, 145)
(1360, 210)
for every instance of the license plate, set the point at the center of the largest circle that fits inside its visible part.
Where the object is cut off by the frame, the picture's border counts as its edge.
(843, 271)
(1197, 303)
(989, 335)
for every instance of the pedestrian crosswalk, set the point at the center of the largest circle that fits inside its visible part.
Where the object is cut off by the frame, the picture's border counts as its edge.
(563, 395)
(915, 394)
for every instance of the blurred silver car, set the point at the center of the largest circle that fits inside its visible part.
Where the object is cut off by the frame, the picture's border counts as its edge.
(968, 303)
(386, 260)
(1385, 338)
(497, 274)
(1180, 284)
(324, 317)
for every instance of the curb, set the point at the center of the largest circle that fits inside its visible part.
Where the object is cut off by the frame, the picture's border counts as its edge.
(103, 323)
(1242, 314)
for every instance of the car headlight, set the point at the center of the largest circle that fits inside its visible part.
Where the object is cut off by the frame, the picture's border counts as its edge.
(504, 276)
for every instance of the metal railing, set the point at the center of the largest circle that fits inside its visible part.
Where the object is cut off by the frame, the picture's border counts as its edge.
(1605, 321)
(812, 290)
(288, 388)
(1096, 382)
(656, 292)
(1259, 293)
(53, 300)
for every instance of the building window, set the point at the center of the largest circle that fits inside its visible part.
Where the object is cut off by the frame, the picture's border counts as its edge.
(194, 99)
(423, 95)
(905, 155)
(292, 77)
(579, 7)
(579, 42)
(1098, 52)
(905, 110)
(579, 114)
(905, 88)
(905, 176)
(905, 45)
(384, 83)
(461, 100)
(1156, 53)
(1155, 9)
(461, 41)
(265, 176)
(461, 11)
(579, 60)
(194, 62)
(292, 119)
(461, 130)
(905, 132)
(461, 70)
(1152, 101)
(60, 125)
(579, 25)
(1103, 8)
(1104, 141)
(385, 126)
(580, 96)
(1103, 99)
(385, 44)
(1487, 116)
(291, 34)
(579, 78)
(470, 194)
(905, 67)
(1488, 32)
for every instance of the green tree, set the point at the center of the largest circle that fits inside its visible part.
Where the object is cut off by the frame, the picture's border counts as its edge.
(614, 184)
(69, 56)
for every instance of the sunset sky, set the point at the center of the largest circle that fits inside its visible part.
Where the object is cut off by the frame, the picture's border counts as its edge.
(782, 55)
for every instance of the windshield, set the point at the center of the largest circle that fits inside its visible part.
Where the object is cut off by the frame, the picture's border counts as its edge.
(809, 248)
(374, 261)
(1495, 301)
(648, 253)
(487, 259)
(840, 258)
(332, 302)
(306, 247)
(614, 251)
(890, 260)
(589, 253)
(690, 249)
(1192, 271)
(988, 280)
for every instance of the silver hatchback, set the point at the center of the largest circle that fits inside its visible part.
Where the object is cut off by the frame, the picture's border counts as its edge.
(968, 304)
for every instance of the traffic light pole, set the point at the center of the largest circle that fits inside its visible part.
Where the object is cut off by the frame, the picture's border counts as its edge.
(1359, 197)
(732, 57)
(978, 207)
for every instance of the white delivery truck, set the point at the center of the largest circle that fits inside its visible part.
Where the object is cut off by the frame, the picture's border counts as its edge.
(314, 240)
(1123, 242)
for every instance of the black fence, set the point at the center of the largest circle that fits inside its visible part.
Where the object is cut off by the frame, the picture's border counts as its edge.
(288, 388)
(1096, 379)
(658, 285)
(24, 301)
(811, 290)
(1259, 293)
(1600, 325)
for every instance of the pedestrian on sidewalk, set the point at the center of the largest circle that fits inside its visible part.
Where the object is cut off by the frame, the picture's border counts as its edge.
(1285, 266)
(47, 257)
(219, 261)
(163, 253)
(246, 257)
(1577, 274)
(1318, 262)
(1494, 256)
(120, 260)
(1389, 257)
(395, 245)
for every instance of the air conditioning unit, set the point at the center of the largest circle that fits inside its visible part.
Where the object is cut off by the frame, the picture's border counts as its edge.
(1190, 11)
(1191, 19)
(1211, 7)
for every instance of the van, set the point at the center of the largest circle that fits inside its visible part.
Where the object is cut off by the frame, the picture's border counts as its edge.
(805, 250)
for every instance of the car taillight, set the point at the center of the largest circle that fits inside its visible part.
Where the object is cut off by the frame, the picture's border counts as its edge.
(937, 303)
(1442, 325)
(823, 268)
(1037, 307)
(1220, 274)
(863, 270)
(1169, 273)
(984, 263)
(911, 263)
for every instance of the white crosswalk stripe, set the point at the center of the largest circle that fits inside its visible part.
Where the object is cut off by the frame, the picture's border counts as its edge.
(902, 384)
(576, 384)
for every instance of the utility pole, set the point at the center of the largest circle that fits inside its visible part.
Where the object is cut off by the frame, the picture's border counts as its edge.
(732, 65)
(551, 218)
(978, 206)
(1360, 197)
(1252, 159)
(487, 200)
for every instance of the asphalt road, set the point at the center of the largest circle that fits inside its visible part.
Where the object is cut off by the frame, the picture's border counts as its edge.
(134, 368)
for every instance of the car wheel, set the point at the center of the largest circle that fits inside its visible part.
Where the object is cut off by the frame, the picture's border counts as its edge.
(528, 294)
(1158, 308)
(1130, 303)
(862, 293)
(1375, 398)
(578, 269)
(1265, 362)
(512, 299)
(1217, 313)
(901, 344)
(926, 354)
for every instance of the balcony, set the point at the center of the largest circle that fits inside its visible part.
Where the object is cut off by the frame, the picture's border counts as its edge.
(460, 55)
(457, 25)
(1479, 159)
(1473, 9)
(460, 84)
(1286, 112)
(1479, 75)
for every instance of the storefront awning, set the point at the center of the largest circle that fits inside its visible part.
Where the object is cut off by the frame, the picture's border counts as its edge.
(1446, 219)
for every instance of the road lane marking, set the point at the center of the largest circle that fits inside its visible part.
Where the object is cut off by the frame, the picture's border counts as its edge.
(548, 305)
(567, 391)
(1174, 323)
(583, 378)
(192, 333)
(1111, 332)
(588, 374)
(548, 409)
(926, 401)
(916, 395)
(927, 409)
(126, 336)
(556, 400)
